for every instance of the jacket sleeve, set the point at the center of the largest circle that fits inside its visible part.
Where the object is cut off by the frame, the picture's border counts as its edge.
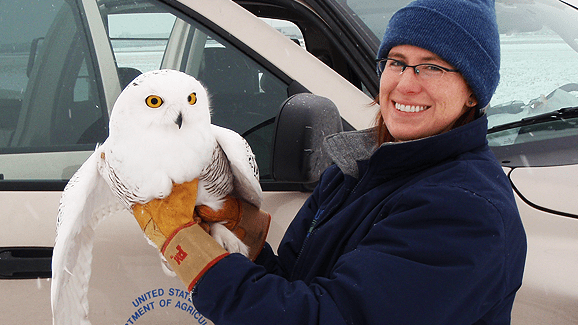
(429, 261)
(296, 233)
(291, 244)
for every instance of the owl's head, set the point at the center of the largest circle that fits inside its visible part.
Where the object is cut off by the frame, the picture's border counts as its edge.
(169, 100)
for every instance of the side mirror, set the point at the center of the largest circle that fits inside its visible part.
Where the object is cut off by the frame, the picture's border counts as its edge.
(300, 127)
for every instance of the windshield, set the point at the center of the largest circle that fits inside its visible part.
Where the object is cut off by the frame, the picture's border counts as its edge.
(539, 58)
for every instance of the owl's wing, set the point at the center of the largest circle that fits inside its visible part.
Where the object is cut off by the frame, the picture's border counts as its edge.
(243, 164)
(86, 200)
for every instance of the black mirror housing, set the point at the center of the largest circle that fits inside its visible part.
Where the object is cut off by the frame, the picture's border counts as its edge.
(300, 127)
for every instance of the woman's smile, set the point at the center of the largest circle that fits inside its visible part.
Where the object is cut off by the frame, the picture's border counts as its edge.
(409, 108)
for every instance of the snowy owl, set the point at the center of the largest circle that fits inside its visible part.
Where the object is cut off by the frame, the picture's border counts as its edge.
(160, 134)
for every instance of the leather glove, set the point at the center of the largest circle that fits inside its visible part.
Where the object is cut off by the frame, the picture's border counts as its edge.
(179, 230)
(246, 221)
(160, 218)
(170, 224)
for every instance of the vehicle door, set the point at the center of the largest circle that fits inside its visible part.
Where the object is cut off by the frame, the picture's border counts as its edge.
(56, 89)
(63, 63)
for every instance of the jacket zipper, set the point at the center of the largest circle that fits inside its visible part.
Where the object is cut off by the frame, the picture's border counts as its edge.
(314, 226)
(309, 232)
(315, 223)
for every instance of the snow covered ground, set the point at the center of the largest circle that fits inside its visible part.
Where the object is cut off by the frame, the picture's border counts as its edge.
(532, 66)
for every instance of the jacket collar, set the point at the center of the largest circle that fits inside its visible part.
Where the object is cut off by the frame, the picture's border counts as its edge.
(347, 149)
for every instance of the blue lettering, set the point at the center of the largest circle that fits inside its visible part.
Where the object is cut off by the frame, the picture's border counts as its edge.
(149, 306)
(135, 316)
(164, 303)
(138, 301)
(171, 292)
(143, 298)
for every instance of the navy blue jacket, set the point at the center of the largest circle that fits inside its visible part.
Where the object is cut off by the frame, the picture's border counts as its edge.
(420, 232)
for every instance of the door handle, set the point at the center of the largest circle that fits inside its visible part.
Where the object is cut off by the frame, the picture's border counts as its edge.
(25, 262)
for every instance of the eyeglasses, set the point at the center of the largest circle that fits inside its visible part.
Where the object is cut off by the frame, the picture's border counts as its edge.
(424, 70)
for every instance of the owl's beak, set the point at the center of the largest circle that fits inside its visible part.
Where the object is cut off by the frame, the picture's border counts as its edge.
(179, 120)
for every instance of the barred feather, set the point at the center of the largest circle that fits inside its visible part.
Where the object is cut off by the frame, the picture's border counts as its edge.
(217, 176)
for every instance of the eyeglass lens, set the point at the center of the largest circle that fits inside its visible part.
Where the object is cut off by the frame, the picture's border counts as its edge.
(423, 70)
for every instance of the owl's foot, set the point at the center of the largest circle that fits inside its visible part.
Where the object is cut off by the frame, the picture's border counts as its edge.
(227, 239)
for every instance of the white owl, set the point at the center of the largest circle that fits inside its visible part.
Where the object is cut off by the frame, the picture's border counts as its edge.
(160, 134)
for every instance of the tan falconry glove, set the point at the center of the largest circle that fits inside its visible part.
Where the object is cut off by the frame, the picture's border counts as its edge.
(246, 221)
(179, 229)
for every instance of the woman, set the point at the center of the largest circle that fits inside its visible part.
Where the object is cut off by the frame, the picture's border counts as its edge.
(415, 223)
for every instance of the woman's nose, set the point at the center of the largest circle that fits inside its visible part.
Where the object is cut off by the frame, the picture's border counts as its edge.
(408, 81)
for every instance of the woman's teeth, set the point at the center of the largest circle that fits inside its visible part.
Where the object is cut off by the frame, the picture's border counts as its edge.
(409, 108)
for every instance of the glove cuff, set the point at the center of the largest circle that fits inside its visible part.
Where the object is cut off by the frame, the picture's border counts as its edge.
(190, 251)
(255, 225)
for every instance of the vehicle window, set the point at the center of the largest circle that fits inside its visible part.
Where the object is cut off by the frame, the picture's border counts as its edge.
(16, 44)
(50, 99)
(48, 89)
(139, 39)
(245, 97)
(537, 98)
(536, 76)
(288, 29)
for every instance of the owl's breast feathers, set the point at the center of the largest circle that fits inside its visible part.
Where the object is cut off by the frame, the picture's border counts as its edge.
(128, 195)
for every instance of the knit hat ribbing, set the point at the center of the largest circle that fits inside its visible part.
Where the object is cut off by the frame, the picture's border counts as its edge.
(462, 32)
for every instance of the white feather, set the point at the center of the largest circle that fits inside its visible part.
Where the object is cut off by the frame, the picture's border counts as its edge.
(86, 201)
(146, 152)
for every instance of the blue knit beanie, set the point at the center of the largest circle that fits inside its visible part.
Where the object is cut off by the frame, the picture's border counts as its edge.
(462, 32)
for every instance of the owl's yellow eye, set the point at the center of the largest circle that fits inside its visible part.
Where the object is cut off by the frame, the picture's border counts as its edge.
(154, 101)
(192, 98)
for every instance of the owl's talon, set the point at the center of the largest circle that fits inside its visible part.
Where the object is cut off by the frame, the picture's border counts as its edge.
(228, 240)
